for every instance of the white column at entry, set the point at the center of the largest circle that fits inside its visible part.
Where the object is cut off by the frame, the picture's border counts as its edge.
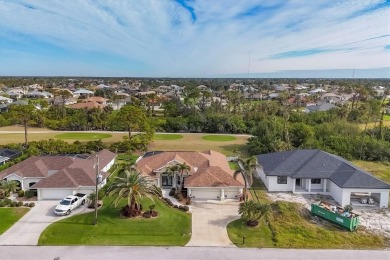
(324, 188)
(222, 194)
(294, 182)
(309, 185)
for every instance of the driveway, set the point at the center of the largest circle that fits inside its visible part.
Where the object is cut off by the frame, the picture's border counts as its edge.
(28, 229)
(209, 221)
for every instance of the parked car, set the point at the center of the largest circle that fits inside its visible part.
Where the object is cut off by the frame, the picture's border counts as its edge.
(70, 203)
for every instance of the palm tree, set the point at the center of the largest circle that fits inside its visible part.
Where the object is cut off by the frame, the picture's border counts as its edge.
(182, 168)
(253, 211)
(9, 186)
(247, 168)
(132, 187)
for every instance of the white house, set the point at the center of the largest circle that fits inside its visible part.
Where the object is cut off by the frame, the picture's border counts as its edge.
(316, 171)
(209, 177)
(57, 176)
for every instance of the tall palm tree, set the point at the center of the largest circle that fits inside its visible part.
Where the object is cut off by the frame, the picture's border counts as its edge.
(247, 169)
(132, 187)
(183, 168)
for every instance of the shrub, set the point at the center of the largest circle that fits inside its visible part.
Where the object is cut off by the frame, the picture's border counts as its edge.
(2, 204)
(175, 206)
(7, 201)
(29, 193)
(31, 204)
(158, 191)
(172, 192)
(185, 208)
(20, 203)
(146, 214)
(21, 193)
(180, 206)
(169, 202)
(13, 204)
(3, 194)
(26, 204)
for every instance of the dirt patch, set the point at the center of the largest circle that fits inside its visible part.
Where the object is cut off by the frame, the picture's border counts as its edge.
(374, 220)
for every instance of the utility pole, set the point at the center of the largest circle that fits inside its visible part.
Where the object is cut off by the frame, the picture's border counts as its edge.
(96, 189)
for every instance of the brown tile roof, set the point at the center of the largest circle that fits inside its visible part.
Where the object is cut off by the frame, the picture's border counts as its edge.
(72, 171)
(208, 169)
(88, 105)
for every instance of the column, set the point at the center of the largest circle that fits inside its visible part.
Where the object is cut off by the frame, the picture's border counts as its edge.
(294, 182)
(189, 193)
(309, 185)
(222, 194)
(324, 188)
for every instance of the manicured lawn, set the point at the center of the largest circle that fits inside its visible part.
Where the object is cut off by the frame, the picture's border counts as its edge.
(167, 136)
(386, 117)
(9, 216)
(126, 158)
(219, 138)
(83, 136)
(171, 228)
(260, 236)
(294, 228)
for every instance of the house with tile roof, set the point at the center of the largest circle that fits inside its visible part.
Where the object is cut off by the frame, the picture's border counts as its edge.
(311, 171)
(209, 177)
(57, 176)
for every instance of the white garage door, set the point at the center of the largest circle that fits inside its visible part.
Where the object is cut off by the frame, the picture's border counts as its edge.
(54, 194)
(85, 191)
(232, 194)
(211, 194)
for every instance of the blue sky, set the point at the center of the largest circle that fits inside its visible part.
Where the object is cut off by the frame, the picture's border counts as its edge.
(195, 38)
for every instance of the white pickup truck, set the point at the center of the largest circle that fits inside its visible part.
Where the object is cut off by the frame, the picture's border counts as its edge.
(70, 203)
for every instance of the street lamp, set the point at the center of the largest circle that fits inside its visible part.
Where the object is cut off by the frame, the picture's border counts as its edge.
(97, 181)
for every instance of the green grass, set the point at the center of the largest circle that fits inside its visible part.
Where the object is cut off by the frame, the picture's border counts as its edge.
(10, 216)
(171, 228)
(219, 138)
(260, 236)
(258, 191)
(293, 227)
(83, 136)
(126, 158)
(167, 136)
(386, 117)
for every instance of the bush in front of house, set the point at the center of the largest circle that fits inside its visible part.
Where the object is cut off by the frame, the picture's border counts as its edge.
(29, 193)
(172, 192)
(21, 193)
(2, 204)
(31, 204)
(26, 204)
(185, 208)
(20, 203)
(13, 204)
(7, 201)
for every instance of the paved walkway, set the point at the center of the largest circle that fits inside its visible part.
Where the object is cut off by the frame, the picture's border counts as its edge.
(28, 229)
(209, 221)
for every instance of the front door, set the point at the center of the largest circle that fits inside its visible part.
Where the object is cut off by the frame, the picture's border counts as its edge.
(298, 182)
(166, 181)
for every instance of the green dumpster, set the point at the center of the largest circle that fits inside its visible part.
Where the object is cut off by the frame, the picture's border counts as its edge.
(337, 215)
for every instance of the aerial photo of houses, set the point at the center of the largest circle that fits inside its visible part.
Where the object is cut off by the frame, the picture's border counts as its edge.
(194, 129)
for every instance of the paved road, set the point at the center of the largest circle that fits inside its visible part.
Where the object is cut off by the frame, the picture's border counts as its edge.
(28, 229)
(118, 253)
(209, 221)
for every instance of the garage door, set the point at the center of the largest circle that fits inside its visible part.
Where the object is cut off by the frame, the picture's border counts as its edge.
(211, 194)
(84, 191)
(55, 194)
(232, 194)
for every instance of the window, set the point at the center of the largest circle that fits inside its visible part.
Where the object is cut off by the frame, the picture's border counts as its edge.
(282, 179)
(315, 181)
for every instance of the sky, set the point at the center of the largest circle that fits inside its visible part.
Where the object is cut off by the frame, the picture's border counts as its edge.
(195, 38)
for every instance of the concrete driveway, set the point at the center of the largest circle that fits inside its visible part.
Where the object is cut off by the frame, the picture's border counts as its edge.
(209, 221)
(28, 229)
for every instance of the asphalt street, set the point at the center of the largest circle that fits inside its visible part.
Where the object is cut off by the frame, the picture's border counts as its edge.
(114, 253)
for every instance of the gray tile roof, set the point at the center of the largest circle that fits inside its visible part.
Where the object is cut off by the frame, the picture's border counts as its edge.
(312, 164)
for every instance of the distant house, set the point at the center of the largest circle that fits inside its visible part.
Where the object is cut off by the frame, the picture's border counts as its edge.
(311, 171)
(57, 176)
(8, 154)
(83, 93)
(92, 102)
(38, 94)
(319, 107)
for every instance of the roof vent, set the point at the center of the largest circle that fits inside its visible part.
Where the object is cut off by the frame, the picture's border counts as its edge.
(323, 164)
(195, 169)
